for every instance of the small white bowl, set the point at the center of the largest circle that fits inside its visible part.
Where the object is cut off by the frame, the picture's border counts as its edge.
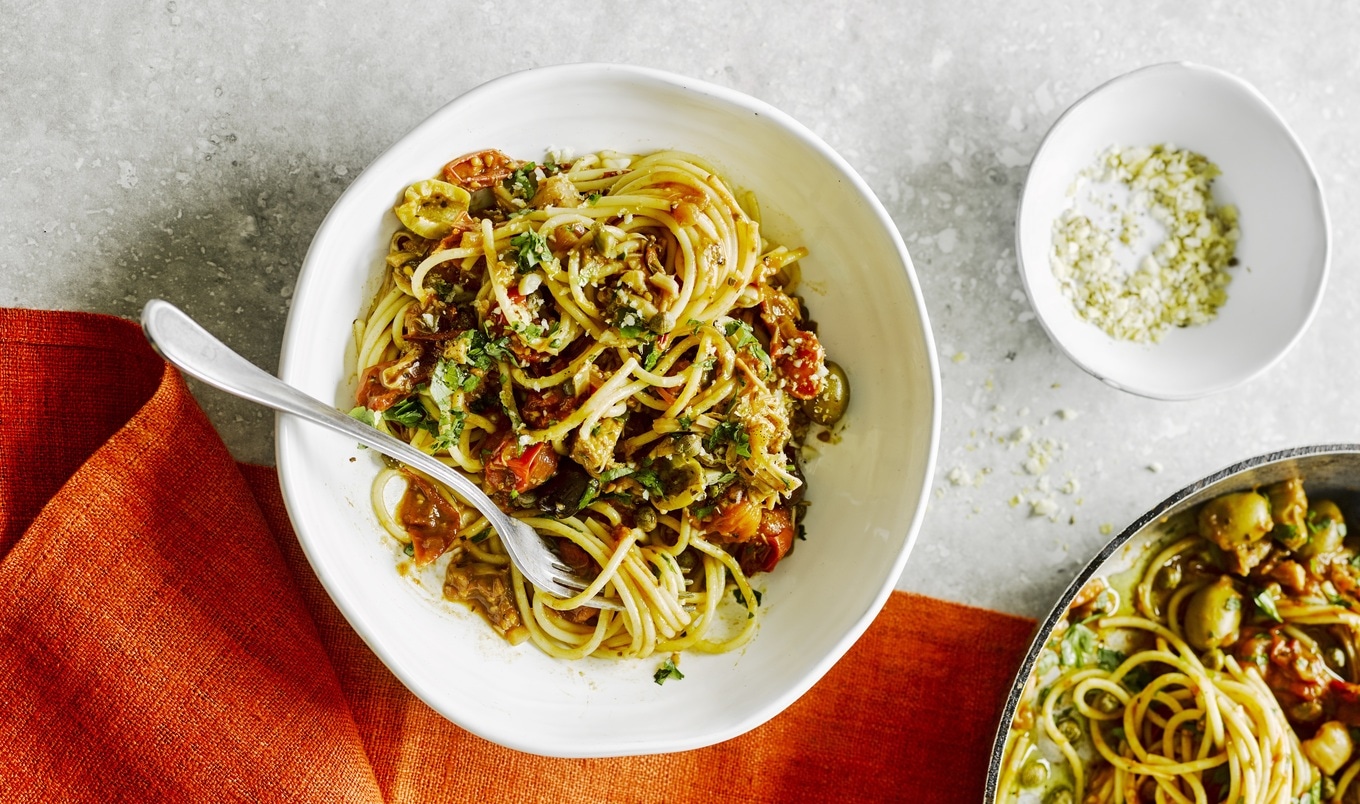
(868, 491)
(1284, 252)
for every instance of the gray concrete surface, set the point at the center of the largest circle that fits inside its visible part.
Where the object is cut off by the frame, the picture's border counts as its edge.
(188, 150)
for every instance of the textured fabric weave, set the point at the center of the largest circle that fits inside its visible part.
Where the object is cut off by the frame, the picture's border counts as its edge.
(162, 637)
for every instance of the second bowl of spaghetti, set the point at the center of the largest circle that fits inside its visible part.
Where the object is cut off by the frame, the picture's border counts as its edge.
(1209, 653)
(671, 330)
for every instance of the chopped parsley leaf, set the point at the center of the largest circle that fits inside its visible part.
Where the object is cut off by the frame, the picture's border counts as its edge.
(531, 251)
(652, 356)
(741, 599)
(1265, 603)
(1108, 659)
(499, 349)
(410, 413)
(730, 432)
(614, 473)
(588, 496)
(1077, 647)
(648, 479)
(668, 670)
(523, 183)
(364, 415)
(744, 338)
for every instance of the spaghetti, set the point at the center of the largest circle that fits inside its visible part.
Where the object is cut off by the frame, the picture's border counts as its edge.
(609, 346)
(1224, 670)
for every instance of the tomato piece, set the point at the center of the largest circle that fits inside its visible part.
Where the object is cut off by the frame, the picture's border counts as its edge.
(372, 394)
(506, 467)
(800, 360)
(478, 170)
(384, 384)
(773, 540)
(739, 520)
(431, 520)
(542, 409)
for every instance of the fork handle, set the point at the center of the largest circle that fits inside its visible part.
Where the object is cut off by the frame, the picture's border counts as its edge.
(190, 347)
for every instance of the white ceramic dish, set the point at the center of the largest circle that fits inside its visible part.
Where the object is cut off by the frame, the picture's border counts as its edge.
(868, 491)
(1285, 249)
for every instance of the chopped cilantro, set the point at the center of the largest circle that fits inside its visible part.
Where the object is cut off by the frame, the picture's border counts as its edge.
(531, 251)
(668, 670)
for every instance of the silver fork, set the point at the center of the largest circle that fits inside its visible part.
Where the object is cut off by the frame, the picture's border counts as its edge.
(182, 342)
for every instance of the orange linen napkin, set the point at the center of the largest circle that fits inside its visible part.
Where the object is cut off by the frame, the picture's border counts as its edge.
(162, 637)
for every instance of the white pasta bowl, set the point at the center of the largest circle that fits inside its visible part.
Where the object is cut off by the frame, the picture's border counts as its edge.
(868, 491)
(1285, 246)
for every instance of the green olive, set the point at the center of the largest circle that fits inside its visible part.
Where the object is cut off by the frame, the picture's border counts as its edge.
(1288, 505)
(1234, 520)
(432, 207)
(1326, 530)
(1035, 773)
(829, 405)
(1168, 577)
(1059, 795)
(1214, 615)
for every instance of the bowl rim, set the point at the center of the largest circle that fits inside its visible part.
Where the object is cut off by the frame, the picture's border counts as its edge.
(735, 102)
(1044, 628)
(1046, 144)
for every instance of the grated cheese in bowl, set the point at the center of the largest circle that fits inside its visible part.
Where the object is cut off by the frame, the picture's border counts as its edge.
(1162, 255)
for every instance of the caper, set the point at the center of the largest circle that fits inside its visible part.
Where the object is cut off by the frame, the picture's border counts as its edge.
(1214, 615)
(1235, 519)
(646, 518)
(1035, 773)
(1069, 729)
(1326, 530)
(1328, 788)
(1105, 702)
(829, 405)
(1059, 795)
